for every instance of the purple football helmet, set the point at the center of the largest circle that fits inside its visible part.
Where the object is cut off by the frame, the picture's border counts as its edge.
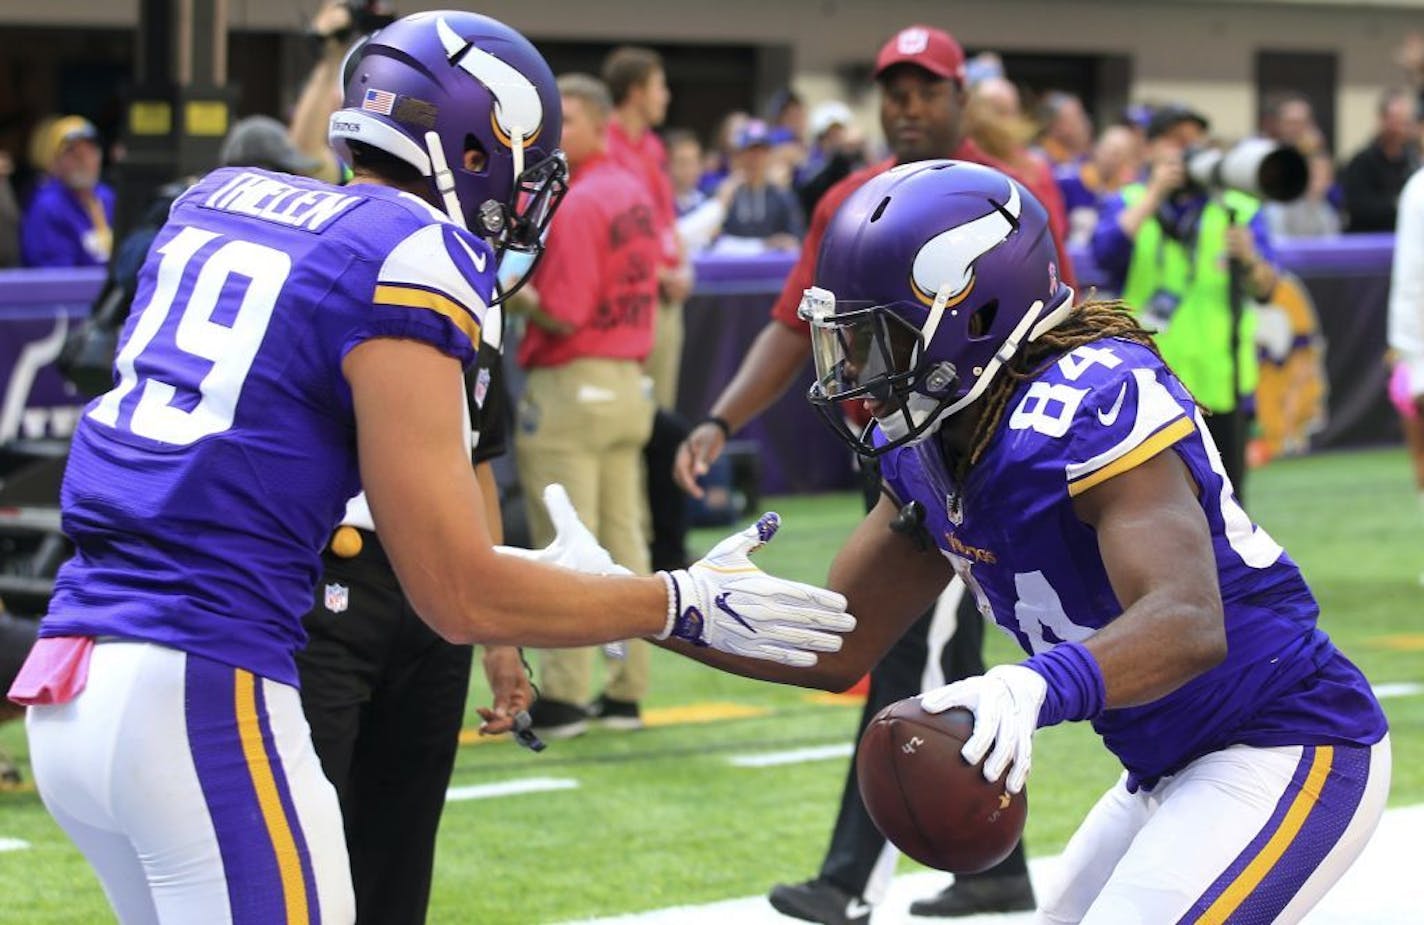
(472, 105)
(930, 277)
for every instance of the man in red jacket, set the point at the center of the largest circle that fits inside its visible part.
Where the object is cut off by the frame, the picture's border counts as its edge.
(585, 416)
(920, 72)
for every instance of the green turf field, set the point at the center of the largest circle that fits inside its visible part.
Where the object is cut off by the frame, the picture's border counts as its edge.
(661, 817)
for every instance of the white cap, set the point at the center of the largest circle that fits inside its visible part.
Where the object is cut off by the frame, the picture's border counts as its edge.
(827, 114)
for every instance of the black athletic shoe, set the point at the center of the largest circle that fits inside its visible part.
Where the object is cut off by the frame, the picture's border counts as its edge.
(976, 895)
(819, 901)
(623, 715)
(558, 719)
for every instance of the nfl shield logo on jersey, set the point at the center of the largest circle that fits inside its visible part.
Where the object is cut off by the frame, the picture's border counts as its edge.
(337, 597)
(954, 507)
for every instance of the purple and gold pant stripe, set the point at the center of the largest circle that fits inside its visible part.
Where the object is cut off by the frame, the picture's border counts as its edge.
(264, 854)
(1307, 822)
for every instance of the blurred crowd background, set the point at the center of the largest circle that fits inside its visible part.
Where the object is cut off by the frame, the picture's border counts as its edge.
(767, 106)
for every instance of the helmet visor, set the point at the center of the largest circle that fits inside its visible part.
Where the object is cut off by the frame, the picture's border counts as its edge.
(859, 348)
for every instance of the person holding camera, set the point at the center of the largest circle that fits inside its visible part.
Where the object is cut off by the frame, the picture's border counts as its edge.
(1184, 258)
(335, 28)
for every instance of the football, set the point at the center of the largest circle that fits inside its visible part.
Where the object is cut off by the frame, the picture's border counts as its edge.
(925, 798)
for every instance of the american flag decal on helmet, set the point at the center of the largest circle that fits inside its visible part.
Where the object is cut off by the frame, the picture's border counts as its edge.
(381, 101)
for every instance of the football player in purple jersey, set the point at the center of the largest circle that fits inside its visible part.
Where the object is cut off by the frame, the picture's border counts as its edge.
(292, 342)
(1048, 456)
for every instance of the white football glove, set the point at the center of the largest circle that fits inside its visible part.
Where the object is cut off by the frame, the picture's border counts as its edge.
(1005, 701)
(725, 602)
(574, 547)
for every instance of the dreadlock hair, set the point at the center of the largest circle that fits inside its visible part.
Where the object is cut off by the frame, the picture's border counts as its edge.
(1094, 320)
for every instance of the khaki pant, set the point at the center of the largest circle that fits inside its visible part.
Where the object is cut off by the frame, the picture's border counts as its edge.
(664, 363)
(584, 425)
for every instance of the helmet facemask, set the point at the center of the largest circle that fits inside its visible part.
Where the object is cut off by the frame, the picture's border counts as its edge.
(863, 351)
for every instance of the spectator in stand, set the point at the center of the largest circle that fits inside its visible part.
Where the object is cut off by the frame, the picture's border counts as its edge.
(699, 216)
(1115, 162)
(1290, 120)
(69, 222)
(787, 111)
(763, 214)
(1375, 176)
(1067, 131)
(788, 153)
(837, 150)
(1137, 116)
(9, 215)
(994, 118)
(717, 164)
(585, 415)
(684, 170)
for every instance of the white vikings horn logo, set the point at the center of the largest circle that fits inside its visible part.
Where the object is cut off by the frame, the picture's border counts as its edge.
(516, 101)
(949, 257)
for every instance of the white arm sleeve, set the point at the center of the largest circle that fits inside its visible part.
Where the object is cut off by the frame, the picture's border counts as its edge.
(698, 227)
(1406, 291)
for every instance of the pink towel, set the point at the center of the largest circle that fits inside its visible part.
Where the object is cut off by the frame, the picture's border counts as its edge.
(55, 671)
(1399, 392)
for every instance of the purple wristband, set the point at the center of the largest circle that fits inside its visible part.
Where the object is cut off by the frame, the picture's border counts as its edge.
(1076, 690)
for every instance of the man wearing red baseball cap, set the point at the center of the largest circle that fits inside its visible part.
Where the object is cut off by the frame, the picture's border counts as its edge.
(920, 72)
(932, 49)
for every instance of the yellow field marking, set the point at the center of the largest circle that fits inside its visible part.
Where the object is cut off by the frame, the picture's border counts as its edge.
(686, 714)
(1400, 642)
(827, 699)
(710, 712)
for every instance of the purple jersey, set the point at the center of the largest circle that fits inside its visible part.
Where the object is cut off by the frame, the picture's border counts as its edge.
(1012, 533)
(201, 489)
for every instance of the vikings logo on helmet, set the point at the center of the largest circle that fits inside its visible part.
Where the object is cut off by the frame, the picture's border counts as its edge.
(949, 257)
(517, 109)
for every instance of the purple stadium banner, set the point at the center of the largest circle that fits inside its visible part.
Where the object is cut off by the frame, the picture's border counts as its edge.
(38, 308)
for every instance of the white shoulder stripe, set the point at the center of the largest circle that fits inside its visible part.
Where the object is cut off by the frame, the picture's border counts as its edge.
(423, 261)
(1156, 408)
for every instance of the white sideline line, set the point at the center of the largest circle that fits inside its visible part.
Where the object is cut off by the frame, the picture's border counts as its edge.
(1400, 689)
(13, 844)
(509, 788)
(1382, 887)
(793, 756)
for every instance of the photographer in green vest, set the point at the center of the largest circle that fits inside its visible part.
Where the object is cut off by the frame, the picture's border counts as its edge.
(1168, 246)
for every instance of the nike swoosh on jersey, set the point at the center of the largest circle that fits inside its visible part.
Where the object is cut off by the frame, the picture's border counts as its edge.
(1109, 418)
(856, 908)
(478, 259)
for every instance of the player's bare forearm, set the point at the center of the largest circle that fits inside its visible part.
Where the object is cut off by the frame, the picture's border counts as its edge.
(770, 367)
(489, 494)
(1156, 547)
(428, 508)
(888, 582)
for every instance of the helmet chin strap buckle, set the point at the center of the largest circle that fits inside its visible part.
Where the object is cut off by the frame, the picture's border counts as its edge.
(444, 179)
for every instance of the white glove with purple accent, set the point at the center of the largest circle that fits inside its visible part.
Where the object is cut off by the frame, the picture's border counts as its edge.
(1005, 701)
(574, 547)
(725, 602)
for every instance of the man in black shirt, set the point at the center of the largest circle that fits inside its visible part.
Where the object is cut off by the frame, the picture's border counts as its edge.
(1374, 177)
